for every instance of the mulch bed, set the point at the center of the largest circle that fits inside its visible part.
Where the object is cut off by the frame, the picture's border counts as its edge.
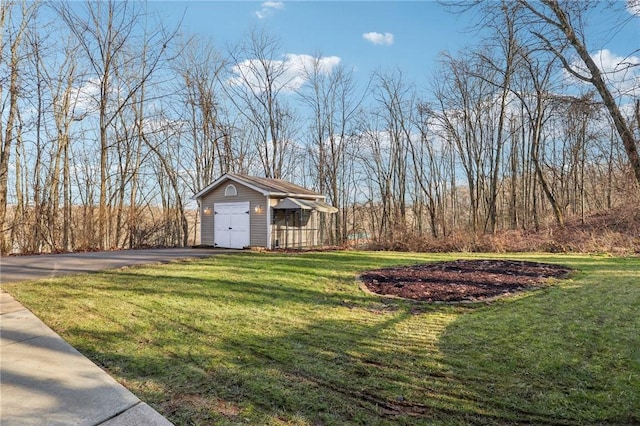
(461, 280)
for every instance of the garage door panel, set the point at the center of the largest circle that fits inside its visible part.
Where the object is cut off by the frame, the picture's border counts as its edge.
(232, 224)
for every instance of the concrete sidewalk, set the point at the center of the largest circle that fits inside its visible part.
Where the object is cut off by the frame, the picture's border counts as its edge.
(45, 381)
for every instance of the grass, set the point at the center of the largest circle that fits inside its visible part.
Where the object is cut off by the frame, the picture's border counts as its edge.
(282, 339)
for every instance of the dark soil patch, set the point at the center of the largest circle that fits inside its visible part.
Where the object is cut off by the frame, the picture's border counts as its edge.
(461, 280)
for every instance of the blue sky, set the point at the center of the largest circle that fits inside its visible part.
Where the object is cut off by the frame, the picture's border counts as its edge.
(368, 36)
(420, 31)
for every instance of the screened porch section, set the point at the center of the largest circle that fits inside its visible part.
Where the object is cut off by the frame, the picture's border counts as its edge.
(296, 223)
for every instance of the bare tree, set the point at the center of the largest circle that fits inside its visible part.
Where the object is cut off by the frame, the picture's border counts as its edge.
(259, 79)
(536, 102)
(431, 170)
(502, 67)
(385, 134)
(15, 26)
(330, 96)
(465, 116)
(200, 67)
(64, 97)
(105, 32)
(167, 167)
(559, 25)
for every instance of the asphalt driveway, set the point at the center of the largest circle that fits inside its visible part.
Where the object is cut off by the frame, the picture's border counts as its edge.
(24, 268)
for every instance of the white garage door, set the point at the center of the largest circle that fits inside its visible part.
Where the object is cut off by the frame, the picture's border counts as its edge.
(231, 225)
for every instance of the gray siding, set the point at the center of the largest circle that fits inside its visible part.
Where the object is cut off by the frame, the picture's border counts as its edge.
(258, 219)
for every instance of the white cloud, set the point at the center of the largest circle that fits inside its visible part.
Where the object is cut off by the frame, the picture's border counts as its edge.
(268, 7)
(86, 96)
(297, 64)
(621, 73)
(385, 39)
(273, 4)
(250, 72)
(633, 7)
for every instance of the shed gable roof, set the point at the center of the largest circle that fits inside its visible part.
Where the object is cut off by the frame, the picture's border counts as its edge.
(266, 186)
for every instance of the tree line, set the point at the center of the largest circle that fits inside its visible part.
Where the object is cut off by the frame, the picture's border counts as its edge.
(110, 122)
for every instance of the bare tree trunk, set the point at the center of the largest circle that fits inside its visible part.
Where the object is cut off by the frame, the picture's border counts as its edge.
(560, 21)
(9, 126)
(513, 189)
(18, 231)
(535, 156)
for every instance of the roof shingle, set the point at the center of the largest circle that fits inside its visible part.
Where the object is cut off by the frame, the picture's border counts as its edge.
(274, 185)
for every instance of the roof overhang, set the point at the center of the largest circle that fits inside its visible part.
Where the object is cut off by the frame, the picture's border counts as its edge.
(239, 180)
(301, 204)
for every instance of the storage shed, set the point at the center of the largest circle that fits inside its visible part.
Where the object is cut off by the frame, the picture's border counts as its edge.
(239, 211)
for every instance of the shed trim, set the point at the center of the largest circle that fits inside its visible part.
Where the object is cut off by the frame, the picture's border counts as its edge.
(300, 204)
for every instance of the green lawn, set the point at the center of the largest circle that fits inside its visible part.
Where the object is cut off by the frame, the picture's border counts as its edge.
(282, 339)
